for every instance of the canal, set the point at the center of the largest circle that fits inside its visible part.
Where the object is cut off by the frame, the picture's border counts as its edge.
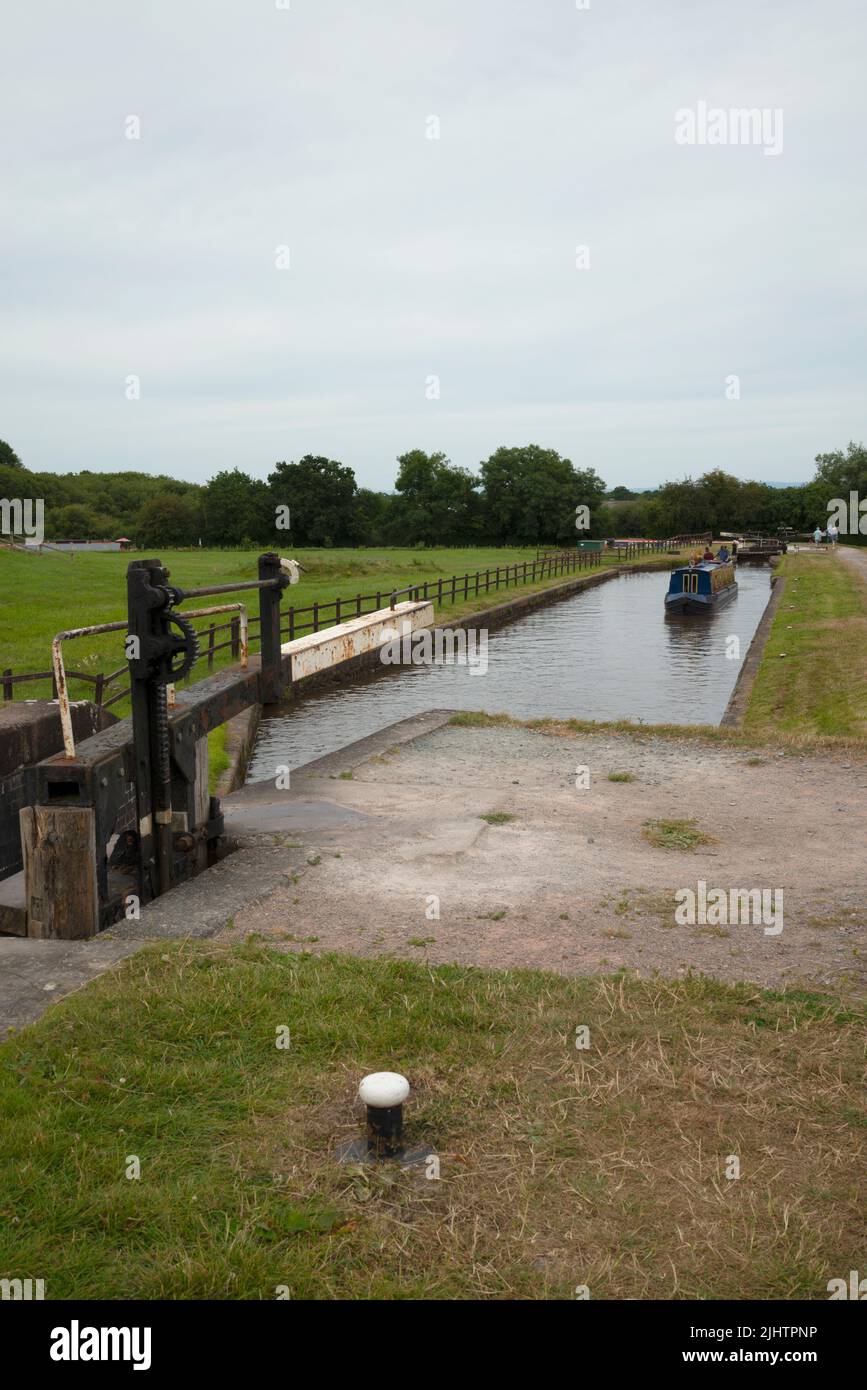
(607, 653)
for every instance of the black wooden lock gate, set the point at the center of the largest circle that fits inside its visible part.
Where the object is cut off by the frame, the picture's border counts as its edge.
(141, 786)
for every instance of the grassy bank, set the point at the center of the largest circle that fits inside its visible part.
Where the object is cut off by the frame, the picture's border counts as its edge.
(813, 676)
(602, 1167)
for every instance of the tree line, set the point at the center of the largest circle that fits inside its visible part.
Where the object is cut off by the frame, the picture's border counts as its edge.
(524, 495)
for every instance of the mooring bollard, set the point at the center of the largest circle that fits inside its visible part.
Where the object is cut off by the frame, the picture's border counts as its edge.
(384, 1092)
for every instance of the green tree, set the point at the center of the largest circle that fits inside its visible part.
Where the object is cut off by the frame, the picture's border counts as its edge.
(237, 509)
(8, 455)
(73, 522)
(531, 495)
(373, 511)
(436, 501)
(320, 494)
(840, 473)
(168, 519)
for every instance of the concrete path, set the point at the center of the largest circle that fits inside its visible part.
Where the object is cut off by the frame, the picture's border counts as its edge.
(855, 557)
(405, 864)
(33, 974)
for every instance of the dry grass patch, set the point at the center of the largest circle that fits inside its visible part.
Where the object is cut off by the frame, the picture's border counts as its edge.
(676, 834)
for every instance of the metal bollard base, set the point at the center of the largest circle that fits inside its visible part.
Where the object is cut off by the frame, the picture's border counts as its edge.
(358, 1151)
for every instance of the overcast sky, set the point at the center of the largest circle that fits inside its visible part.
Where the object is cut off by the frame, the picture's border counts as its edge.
(411, 257)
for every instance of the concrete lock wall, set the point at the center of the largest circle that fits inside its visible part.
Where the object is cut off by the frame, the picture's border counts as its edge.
(334, 646)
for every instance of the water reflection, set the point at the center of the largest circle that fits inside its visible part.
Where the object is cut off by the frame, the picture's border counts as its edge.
(609, 653)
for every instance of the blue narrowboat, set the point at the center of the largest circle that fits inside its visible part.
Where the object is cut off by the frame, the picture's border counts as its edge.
(701, 588)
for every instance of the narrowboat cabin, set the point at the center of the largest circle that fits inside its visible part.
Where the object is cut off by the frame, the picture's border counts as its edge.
(701, 588)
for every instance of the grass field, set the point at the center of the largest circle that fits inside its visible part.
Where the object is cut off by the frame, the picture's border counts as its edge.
(813, 676)
(603, 1167)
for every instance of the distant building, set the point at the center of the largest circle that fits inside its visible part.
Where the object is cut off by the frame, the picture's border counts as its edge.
(122, 543)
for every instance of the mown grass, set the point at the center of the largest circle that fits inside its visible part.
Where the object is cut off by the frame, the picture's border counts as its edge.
(559, 1167)
(813, 675)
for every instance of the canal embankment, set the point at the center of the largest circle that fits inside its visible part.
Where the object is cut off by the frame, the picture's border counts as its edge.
(740, 696)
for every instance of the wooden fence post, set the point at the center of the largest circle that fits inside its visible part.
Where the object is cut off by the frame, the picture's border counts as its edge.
(7, 684)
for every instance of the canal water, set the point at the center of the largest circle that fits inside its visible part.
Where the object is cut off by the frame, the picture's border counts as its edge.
(607, 653)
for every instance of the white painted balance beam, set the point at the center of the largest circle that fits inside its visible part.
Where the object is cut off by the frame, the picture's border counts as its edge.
(317, 651)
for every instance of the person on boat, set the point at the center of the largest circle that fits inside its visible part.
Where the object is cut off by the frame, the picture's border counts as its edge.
(696, 559)
(723, 554)
(708, 554)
